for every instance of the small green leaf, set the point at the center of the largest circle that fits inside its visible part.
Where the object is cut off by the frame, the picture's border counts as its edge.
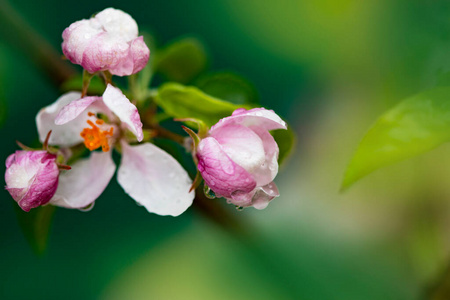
(96, 85)
(182, 60)
(416, 125)
(228, 86)
(35, 225)
(183, 102)
(286, 141)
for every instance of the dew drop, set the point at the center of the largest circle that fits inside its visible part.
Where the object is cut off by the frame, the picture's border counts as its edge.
(208, 192)
(239, 208)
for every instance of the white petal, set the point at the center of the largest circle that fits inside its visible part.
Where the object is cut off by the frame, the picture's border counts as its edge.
(127, 112)
(85, 182)
(65, 135)
(117, 22)
(154, 179)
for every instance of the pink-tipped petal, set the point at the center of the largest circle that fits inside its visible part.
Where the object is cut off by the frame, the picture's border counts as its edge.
(74, 109)
(242, 145)
(66, 135)
(136, 59)
(127, 112)
(220, 172)
(85, 182)
(260, 117)
(104, 53)
(31, 178)
(154, 179)
(76, 38)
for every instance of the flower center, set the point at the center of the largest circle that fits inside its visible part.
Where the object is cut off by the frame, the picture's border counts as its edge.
(94, 137)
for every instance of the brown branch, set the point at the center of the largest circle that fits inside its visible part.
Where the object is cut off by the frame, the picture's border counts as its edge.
(23, 37)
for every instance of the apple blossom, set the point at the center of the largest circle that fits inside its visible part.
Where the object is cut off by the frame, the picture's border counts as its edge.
(107, 42)
(148, 174)
(238, 160)
(31, 177)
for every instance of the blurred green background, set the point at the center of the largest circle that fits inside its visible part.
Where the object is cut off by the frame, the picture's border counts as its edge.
(329, 68)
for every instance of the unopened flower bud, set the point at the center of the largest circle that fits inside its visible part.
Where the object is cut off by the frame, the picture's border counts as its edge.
(239, 159)
(107, 42)
(31, 177)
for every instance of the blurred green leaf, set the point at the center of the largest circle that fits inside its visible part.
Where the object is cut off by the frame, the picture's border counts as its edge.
(96, 87)
(3, 105)
(35, 225)
(146, 74)
(182, 60)
(228, 86)
(182, 102)
(286, 141)
(416, 125)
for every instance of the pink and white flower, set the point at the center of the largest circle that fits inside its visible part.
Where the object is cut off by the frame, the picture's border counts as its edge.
(107, 42)
(31, 177)
(239, 159)
(148, 174)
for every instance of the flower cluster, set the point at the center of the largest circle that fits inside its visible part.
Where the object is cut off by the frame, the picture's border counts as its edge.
(237, 158)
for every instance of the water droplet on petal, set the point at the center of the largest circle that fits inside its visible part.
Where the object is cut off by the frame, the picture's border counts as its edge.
(208, 192)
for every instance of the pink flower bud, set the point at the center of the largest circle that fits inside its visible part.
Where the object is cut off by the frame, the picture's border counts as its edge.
(107, 42)
(239, 159)
(31, 177)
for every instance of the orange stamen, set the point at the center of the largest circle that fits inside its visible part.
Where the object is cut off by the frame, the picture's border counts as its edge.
(94, 137)
(91, 114)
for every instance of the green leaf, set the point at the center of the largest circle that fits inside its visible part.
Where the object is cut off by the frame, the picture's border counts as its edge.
(183, 102)
(228, 86)
(96, 86)
(182, 60)
(286, 141)
(416, 125)
(35, 225)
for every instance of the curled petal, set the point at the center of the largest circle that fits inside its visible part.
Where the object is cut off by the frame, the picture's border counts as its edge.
(154, 179)
(258, 117)
(84, 183)
(220, 172)
(76, 39)
(264, 195)
(266, 172)
(127, 112)
(74, 109)
(135, 60)
(65, 135)
(242, 145)
(259, 198)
